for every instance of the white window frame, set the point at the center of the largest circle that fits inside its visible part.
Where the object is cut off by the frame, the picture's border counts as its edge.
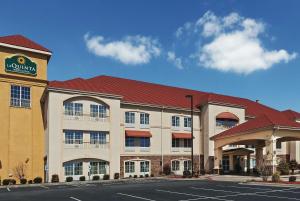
(144, 120)
(175, 165)
(175, 122)
(20, 101)
(130, 118)
(129, 167)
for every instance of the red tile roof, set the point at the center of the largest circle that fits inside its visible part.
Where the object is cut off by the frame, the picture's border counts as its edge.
(292, 115)
(21, 41)
(133, 91)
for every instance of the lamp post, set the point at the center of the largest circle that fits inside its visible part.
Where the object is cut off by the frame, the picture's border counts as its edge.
(192, 131)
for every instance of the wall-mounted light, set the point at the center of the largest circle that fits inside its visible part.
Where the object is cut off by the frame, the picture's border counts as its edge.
(0, 164)
(27, 160)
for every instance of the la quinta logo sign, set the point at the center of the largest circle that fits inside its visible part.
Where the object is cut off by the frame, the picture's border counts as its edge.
(20, 64)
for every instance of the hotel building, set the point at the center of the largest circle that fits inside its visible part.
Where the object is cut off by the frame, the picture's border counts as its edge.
(107, 125)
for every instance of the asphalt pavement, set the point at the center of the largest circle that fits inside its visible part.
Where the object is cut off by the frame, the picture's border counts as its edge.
(152, 190)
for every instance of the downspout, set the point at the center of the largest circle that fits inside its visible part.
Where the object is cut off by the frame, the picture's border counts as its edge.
(161, 139)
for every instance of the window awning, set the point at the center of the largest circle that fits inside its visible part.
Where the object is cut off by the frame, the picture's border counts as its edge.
(135, 133)
(227, 115)
(182, 135)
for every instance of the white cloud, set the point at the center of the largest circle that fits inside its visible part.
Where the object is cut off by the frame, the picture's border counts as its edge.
(171, 57)
(233, 43)
(130, 50)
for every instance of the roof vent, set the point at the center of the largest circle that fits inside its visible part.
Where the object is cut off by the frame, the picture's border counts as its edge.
(257, 101)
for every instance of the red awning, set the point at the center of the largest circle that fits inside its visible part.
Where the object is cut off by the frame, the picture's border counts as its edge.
(134, 133)
(227, 115)
(182, 135)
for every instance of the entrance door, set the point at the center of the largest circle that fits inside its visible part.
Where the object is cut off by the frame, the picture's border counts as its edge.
(225, 164)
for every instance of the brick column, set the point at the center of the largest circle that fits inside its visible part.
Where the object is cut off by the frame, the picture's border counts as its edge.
(217, 160)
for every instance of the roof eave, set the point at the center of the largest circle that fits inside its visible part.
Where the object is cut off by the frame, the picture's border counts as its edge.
(49, 54)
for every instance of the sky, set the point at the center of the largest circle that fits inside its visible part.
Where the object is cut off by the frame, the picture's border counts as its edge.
(245, 48)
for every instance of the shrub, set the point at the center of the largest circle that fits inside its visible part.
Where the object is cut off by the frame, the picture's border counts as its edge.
(202, 172)
(186, 174)
(152, 175)
(69, 179)
(37, 180)
(135, 176)
(167, 169)
(130, 176)
(82, 178)
(8, 182)
(106, 177)
(117, 176)
(141, 176)
(283, 167)
(96, 177)
(293, 165)
(23, 181)
(55, 178)
(292, 179)
(147, 175)
(276, 177)
(30, 182)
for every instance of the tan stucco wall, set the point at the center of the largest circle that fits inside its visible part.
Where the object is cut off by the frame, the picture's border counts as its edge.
(22, 131)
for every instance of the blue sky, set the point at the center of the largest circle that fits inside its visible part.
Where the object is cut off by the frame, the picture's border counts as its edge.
(242, 48)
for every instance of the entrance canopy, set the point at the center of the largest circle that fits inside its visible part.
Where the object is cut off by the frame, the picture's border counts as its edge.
(238, 152)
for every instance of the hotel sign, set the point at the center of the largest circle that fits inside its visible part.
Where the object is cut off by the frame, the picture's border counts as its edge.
(21, 65)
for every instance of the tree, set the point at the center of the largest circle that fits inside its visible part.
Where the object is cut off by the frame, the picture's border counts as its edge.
(293, 165)
(20, 170)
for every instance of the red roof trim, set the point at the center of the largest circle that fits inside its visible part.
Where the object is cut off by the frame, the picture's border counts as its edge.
(182, 135)
(135, 133)
(227, 115)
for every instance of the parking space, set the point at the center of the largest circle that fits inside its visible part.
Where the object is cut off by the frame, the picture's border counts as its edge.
(159, 190)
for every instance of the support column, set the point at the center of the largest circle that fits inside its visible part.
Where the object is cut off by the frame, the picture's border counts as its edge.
(258, 156)
(248, 162)
(271, 153)
(217, 160)
(231, 166)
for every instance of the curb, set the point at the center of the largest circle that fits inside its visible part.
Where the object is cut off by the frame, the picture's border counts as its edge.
(271, 184)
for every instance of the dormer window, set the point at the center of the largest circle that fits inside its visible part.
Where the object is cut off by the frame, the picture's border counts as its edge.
(226, 120)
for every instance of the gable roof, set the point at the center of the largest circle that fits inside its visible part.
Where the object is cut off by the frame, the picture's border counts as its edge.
(139, 92)
(23, 42)
(292, 115)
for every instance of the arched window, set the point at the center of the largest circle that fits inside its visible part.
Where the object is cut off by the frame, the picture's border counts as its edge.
(226, 120)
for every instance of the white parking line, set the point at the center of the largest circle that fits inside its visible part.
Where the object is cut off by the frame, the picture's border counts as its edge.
(244, 187)
(7, 189)
(217, 190)
(75, 199)
(133, 196)
(199, 197)
(46, 187)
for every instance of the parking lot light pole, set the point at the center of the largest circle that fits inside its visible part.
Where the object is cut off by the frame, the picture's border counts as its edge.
(192, 131)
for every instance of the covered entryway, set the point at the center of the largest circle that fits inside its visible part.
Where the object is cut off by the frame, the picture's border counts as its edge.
(262, 133)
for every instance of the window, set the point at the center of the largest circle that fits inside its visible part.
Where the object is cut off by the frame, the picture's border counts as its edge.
(175, 165)
(144, 166)
(129, 167)
(129, 117)
(175, 142)
(144, 118)
(278, 145)
(73, 168)
(97, 138)
(175, 121)
(73, 137)
(250, 146)
(73, 109)
(187, 143)
(129, 141)
(226, 123)
(187, 122)
(20, 96)
(98, 111)
(98, 167)
(144, 142)
(187, 165)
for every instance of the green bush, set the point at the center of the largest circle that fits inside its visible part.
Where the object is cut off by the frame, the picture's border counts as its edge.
(37, 180)
(147, 175)
(293, 165)
(135, 176)
(23, 181)
(283, 167)
(141, 176)
(55, 178)
(106, 177)
(69, 179)
(96, 177)
(292, 179)
(152, 175)
(9, 181)
(186, 174)
(276, 177)
(82, 178)
(30, 182)
(117, 176)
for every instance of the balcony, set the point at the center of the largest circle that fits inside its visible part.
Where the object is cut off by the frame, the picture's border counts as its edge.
(86, 150)
(85, 122)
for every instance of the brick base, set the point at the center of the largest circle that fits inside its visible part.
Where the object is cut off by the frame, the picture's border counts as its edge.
(156, 162)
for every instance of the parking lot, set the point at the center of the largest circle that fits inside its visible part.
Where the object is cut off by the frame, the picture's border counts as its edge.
(152, 190)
